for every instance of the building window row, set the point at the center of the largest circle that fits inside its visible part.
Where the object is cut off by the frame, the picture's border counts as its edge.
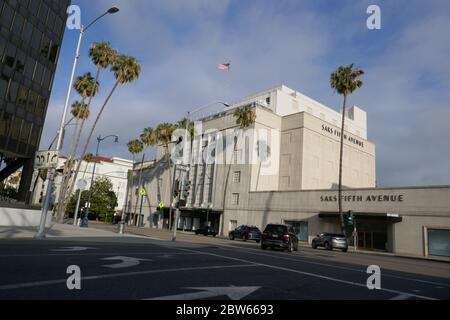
(23, 97)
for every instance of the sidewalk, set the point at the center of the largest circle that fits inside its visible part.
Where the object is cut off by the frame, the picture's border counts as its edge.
(55, 231)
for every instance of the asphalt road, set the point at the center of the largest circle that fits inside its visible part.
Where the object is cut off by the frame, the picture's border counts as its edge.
(205, 268)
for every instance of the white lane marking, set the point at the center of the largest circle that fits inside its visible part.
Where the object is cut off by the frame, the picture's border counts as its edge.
(234, 293)
(71, 249)
(126, 262)
(299, 259)
(308, 274)
(89, 254)
(401, 297)
(123, 274)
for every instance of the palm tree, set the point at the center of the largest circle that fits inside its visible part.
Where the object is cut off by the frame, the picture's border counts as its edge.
(126, 70)
(345, 81)
(86, 88)
(245, 117)
(134, 147)
(163, 134)
(102, 55)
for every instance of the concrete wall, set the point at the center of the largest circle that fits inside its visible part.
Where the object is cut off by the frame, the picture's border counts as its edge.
(18, 217)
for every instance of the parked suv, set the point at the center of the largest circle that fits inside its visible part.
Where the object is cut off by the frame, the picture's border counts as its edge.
(279, 235)
(245, 233)
(206, 231)
(330, 241)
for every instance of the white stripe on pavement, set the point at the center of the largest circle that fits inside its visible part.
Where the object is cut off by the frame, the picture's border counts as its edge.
(309, 274)
(116, 275)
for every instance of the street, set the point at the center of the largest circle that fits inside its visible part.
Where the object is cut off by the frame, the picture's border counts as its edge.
(198, 267)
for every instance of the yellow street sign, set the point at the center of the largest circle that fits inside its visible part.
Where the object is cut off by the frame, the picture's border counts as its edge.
(161, 205)
(142, 191)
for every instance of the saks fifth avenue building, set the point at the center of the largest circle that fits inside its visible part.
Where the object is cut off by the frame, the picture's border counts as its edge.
(295, 179)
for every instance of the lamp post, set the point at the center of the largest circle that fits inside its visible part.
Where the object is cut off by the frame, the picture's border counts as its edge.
(85, 221)
(52, 172)
(183, 182)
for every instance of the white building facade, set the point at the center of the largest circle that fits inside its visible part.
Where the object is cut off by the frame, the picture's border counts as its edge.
(284, 169)
(115, 169)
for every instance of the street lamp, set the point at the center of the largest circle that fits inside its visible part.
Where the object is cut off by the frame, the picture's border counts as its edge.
(41, 232)
(86, 214)
(183, 182)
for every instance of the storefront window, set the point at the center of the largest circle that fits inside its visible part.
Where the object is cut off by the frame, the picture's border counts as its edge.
(439, 242)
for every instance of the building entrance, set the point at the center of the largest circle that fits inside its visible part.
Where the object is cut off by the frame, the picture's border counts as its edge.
(371, 235)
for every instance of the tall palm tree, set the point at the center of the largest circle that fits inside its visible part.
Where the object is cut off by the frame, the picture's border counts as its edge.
(134, 147)
(86, 88)
(344, 81)
(245, 117)
(163, 133)
(102, 56)
(125, 69)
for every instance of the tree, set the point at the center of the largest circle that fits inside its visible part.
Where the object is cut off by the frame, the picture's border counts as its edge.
(344, 81)
(245, 117)
(134, 147)
(103, 201)
(163, 135)
(125, 69)
(86, 87)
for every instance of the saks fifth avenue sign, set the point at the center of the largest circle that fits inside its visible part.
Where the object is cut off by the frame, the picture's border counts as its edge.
(337, 133)
(369, 198)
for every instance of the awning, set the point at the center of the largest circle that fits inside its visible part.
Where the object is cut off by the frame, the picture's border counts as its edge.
(378, 216)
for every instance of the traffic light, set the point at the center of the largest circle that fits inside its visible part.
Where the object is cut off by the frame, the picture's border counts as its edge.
(176, 188)
(185, 191)
(350, 218)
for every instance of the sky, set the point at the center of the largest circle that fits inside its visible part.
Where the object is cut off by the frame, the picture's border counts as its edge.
(298, 43)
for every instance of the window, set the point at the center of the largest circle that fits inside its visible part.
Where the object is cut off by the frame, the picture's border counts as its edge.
(36, 39)
(4, 82)
(268, 100)
(47, 79)
(43, 12)
(54, 48)
(32, 101)
(25, 133)
(17, 124)
(22, 97)
(58, 26)
(7, 16)
(237, 177)
(5, 124)
(18, 24)
(12, 92)
(40, 107)
(29, 68)
(34, 6)
(10, 55)
(27, 32)
(2, 47)
(45, 46)
(38, 73)
(34, 135)
(235, 199)
(439, 242)
(237, 154)
(51, 19)
(20, 61)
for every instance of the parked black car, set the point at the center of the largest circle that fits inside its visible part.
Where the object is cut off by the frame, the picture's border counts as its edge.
(279, 235)
(245, 233)
(330, 241)
(206, 231)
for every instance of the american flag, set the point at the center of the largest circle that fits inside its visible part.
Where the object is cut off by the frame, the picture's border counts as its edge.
(224, 66)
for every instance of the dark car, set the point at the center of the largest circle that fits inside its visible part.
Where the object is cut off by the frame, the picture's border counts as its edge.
(245, 233)
(206, 231)
(280, 236)
(330, 241)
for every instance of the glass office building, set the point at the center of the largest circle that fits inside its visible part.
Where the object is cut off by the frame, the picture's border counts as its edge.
(31, 32)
